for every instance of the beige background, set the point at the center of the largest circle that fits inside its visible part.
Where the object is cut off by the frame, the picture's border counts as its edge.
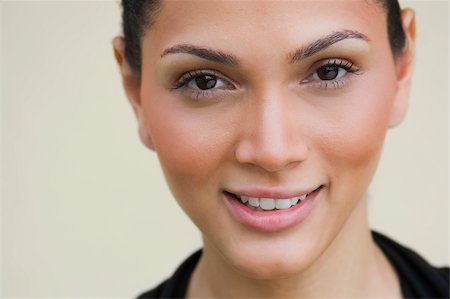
(85, 211)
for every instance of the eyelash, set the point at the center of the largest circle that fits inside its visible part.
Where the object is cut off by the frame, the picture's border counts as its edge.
(184, 80)
(340, 63)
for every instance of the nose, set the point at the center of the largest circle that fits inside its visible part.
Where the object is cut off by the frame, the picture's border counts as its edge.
(272, 136)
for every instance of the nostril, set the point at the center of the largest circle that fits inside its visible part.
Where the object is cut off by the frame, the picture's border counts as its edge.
(292, 164)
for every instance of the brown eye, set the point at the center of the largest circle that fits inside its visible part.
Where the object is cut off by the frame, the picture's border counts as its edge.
(328, 72)
(333, 72)
(204, 82)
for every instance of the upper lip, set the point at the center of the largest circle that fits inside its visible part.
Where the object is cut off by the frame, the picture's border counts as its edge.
(275, 193)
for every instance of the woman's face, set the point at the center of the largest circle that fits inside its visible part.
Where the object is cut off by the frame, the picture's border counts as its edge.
(274, 100)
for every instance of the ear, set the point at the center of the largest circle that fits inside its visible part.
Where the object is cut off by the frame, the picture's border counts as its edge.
(404, 68)
(132, 85)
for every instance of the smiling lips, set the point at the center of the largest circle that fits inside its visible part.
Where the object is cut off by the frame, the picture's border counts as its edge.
(268, 204)
(270, 214)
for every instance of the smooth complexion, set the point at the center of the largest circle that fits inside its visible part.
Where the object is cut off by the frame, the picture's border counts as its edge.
(270, 125)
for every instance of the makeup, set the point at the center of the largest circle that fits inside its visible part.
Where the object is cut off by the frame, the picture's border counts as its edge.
(267, 218)
(244, 106)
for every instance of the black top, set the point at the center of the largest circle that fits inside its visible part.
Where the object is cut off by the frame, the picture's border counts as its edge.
(418, 279)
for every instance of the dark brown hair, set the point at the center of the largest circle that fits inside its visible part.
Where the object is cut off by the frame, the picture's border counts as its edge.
(138, 15)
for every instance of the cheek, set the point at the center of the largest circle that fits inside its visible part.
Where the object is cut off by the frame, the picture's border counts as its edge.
(191, 145)
(182, 148)
(357, 137)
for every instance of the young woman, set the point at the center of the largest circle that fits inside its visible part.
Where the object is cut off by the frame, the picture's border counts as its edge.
(268, 118)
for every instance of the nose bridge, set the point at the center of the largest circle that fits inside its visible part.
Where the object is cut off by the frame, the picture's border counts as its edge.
(271, 138)
(271, 123)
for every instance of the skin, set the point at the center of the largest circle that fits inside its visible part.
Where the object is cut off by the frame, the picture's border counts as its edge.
(270, 123)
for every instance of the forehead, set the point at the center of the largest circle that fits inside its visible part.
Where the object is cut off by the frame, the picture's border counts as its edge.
(262, 24)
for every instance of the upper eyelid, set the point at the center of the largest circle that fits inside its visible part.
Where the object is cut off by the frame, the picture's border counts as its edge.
(328, 61)
(197, 72)
(187, 76)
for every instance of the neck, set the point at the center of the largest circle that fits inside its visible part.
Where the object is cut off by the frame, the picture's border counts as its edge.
(352, 266)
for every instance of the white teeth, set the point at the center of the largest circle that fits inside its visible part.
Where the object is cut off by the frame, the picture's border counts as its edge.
(282, 204)
(253, 201)
(244, 199)
(270, 203)
(267, 203)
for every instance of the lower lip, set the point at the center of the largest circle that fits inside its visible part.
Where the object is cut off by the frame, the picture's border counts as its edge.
(274, 220)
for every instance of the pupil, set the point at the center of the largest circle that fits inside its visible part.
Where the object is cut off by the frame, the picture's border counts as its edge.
(206, 82)
(329, 72)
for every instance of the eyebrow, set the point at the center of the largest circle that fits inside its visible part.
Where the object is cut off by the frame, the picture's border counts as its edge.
(209, 54)
(302, 53)
(325, 42)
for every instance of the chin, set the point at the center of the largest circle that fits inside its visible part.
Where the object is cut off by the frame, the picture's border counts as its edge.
(272, 262)
(273, 268)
